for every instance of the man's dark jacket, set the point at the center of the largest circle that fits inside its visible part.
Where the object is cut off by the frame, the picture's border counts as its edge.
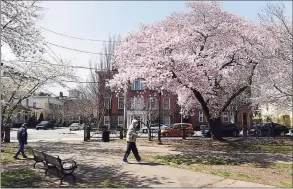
(22, 134)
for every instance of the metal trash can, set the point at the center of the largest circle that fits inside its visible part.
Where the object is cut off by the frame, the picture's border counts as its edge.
(87, 134)
(106, 136)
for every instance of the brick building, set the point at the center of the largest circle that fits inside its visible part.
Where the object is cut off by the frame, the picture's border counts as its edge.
(143, 103)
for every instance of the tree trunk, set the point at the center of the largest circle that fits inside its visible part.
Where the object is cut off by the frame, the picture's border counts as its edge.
(216, 128)
(149, 135)
(235, 117)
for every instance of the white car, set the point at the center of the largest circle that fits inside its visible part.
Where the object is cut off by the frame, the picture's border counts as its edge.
(75, 126)
(154, 129)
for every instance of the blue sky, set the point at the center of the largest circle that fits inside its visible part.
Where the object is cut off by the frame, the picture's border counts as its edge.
(99, 19)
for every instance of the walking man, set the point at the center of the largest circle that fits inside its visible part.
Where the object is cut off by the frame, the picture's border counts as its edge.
(131, 136)
(22, 140)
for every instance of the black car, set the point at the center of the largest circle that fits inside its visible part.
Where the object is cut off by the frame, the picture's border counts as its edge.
(228, 130)
(45, 125)
(267, 130)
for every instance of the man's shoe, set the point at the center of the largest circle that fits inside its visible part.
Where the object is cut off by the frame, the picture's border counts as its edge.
(24, 156)
(15, 157)
(125, 161)
(140, 161)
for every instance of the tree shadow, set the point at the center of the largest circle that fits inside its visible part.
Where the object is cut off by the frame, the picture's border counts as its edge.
(263, 159)
(94, 164)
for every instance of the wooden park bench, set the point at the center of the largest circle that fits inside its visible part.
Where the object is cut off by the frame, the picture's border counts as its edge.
(38, 157)
(54, 162)
(66, 168)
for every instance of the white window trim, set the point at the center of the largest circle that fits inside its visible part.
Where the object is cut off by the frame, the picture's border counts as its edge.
(107, 106)
(225, 115)
(119, 103)
(105, 120)
(168, 103)
(121, 117)
(200, 116)
(140, 85)
(136, 103)
(156, 103)
(169, 120)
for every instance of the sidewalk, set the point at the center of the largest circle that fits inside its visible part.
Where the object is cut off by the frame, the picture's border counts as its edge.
(100, 160)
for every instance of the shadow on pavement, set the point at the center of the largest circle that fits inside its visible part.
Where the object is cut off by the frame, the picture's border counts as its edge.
(93, 164)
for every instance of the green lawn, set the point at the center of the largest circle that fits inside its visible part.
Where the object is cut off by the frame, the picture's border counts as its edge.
(20, 178)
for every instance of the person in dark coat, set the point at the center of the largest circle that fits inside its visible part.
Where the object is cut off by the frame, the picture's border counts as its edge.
(22, 140)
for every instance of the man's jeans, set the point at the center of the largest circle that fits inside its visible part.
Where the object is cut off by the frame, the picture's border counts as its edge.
(131, 146)
(20, 149)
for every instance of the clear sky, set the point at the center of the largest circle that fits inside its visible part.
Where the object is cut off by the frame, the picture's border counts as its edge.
(100, 19)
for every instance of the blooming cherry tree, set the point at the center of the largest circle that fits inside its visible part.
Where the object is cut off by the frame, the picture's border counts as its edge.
(22, 79)
(18, 29)
(206, 56)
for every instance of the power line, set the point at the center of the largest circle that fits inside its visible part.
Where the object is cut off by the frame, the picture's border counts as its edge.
(84, 39)
(78, 67)
(68, 81)
(77, 49)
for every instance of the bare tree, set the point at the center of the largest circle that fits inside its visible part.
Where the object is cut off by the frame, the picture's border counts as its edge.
(107, 64)
(273, 81)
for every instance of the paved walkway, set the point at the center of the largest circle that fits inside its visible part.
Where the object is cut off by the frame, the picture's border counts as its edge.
(103, 161)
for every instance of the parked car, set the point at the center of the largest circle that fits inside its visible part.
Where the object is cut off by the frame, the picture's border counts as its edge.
(75, 126)
(228, 130)
(154, 128)
(280, 130)
(176, 130)
(45, 125)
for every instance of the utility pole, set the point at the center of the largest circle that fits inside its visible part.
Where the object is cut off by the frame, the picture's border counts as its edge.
(159, 132)
(1, 96)
(125, 113)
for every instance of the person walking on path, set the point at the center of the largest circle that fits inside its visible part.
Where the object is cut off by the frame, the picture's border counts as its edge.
(22, 140)
(131, 136)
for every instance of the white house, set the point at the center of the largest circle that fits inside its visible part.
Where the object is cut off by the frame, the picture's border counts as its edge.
(272, 112)
(36, 104)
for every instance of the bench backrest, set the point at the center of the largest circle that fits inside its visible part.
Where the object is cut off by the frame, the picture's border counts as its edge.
(52, 160)
(38, 155)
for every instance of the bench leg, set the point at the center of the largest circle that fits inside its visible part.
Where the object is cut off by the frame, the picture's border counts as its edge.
(35, 164)
(46, 171)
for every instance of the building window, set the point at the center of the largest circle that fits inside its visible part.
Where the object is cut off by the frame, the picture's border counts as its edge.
(120, 120)
(167, 120)
(137, 85)
(34, 104)
(153, 103)
(106, 121)
(166, 103)
(107, 103)
(200, 115)
(225, 116)
(137, 103)
(120, 103)
(27, 102)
